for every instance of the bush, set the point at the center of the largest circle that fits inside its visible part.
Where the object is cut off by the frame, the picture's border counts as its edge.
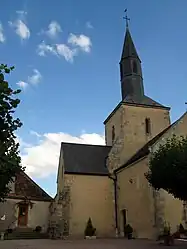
(128, 230)
(181, 229)
(90, 230)
(166, 231)
(38, 229)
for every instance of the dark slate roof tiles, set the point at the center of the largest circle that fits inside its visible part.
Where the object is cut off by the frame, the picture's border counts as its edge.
(144, 100)
(85, 158)
(129, 49)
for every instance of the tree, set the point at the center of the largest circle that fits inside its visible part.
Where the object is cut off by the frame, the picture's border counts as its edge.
(168, 167)
(9, 153)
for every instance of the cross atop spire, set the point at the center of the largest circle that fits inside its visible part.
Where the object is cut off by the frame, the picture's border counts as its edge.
(126, 18)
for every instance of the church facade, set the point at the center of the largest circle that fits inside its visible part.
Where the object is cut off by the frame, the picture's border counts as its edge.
(107, 183)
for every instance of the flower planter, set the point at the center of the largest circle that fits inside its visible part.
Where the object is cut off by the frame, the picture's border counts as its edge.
(2, 235)
(129, 236)
(90, 237)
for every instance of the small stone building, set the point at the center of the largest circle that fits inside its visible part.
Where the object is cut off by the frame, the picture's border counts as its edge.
(27, 205)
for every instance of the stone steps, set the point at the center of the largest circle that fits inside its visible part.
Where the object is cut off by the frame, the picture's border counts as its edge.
(25, 234)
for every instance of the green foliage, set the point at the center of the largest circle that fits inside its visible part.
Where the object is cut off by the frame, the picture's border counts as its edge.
(9, 154)
(166, 230)
(128, 230)
(168, 167)
(90, 230)
(181, 229)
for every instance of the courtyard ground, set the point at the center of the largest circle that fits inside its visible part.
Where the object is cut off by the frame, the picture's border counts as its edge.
(85, 244)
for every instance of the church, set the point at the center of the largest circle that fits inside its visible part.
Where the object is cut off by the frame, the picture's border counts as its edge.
(107, 183)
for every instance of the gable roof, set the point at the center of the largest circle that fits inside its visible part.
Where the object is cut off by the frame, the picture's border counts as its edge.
(26, 187)
(85, 158)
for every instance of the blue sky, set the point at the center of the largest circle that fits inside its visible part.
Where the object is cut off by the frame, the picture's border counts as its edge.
(66, 55)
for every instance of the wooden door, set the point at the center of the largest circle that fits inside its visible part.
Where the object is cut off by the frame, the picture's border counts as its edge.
(23, 215)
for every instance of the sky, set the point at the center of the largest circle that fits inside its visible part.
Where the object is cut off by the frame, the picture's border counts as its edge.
(66, 55)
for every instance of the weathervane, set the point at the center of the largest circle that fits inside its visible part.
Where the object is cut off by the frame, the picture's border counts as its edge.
(126, 18)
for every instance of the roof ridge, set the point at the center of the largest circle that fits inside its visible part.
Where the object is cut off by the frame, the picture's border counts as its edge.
(36, 185)
(84, 144)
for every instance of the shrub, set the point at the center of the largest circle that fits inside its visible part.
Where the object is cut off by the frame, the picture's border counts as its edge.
(38, 229)
(181, 229)
(128, 230)
(90, 230)
(166, 231)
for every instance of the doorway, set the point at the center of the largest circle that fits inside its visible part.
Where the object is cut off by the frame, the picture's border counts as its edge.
(23, 215)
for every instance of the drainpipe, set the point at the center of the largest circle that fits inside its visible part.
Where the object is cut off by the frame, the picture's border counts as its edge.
(115, 200)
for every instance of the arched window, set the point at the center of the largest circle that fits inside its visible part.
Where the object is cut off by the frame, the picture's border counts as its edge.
(134, 67)
(113, 134)
(147, 126)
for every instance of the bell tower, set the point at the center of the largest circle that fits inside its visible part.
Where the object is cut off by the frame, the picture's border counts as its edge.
(137, 118)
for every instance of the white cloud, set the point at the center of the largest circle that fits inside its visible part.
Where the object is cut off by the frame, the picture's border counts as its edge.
(66, 52)
(21, 29)
(44, 48)
(41, 160)
(35, 78)
(53, 29)
(81, 41)
(2, 36)
(89, 25)
(22, 84)
(60, 50)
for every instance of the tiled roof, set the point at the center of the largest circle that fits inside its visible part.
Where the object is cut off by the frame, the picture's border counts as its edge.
(143, 100)
(26, 187)
(85, 158)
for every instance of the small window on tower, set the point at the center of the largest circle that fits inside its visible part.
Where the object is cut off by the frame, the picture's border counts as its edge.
(113, 134)
(121, 70)
(134, 67)
(147, 126)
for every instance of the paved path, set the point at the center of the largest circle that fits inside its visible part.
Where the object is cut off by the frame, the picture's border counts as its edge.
(84, 244)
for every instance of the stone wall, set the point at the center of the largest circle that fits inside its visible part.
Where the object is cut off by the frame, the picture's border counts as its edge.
(129, 123)
(136, 197)
(38, 214)
(90, 196)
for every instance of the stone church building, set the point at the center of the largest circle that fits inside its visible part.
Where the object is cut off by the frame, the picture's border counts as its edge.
(107, 183)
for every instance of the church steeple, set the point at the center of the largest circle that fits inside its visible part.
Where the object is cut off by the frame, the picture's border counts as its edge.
(130, 70)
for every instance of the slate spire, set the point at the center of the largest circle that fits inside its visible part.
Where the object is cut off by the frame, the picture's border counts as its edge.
(129, 49)
(130, 70)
